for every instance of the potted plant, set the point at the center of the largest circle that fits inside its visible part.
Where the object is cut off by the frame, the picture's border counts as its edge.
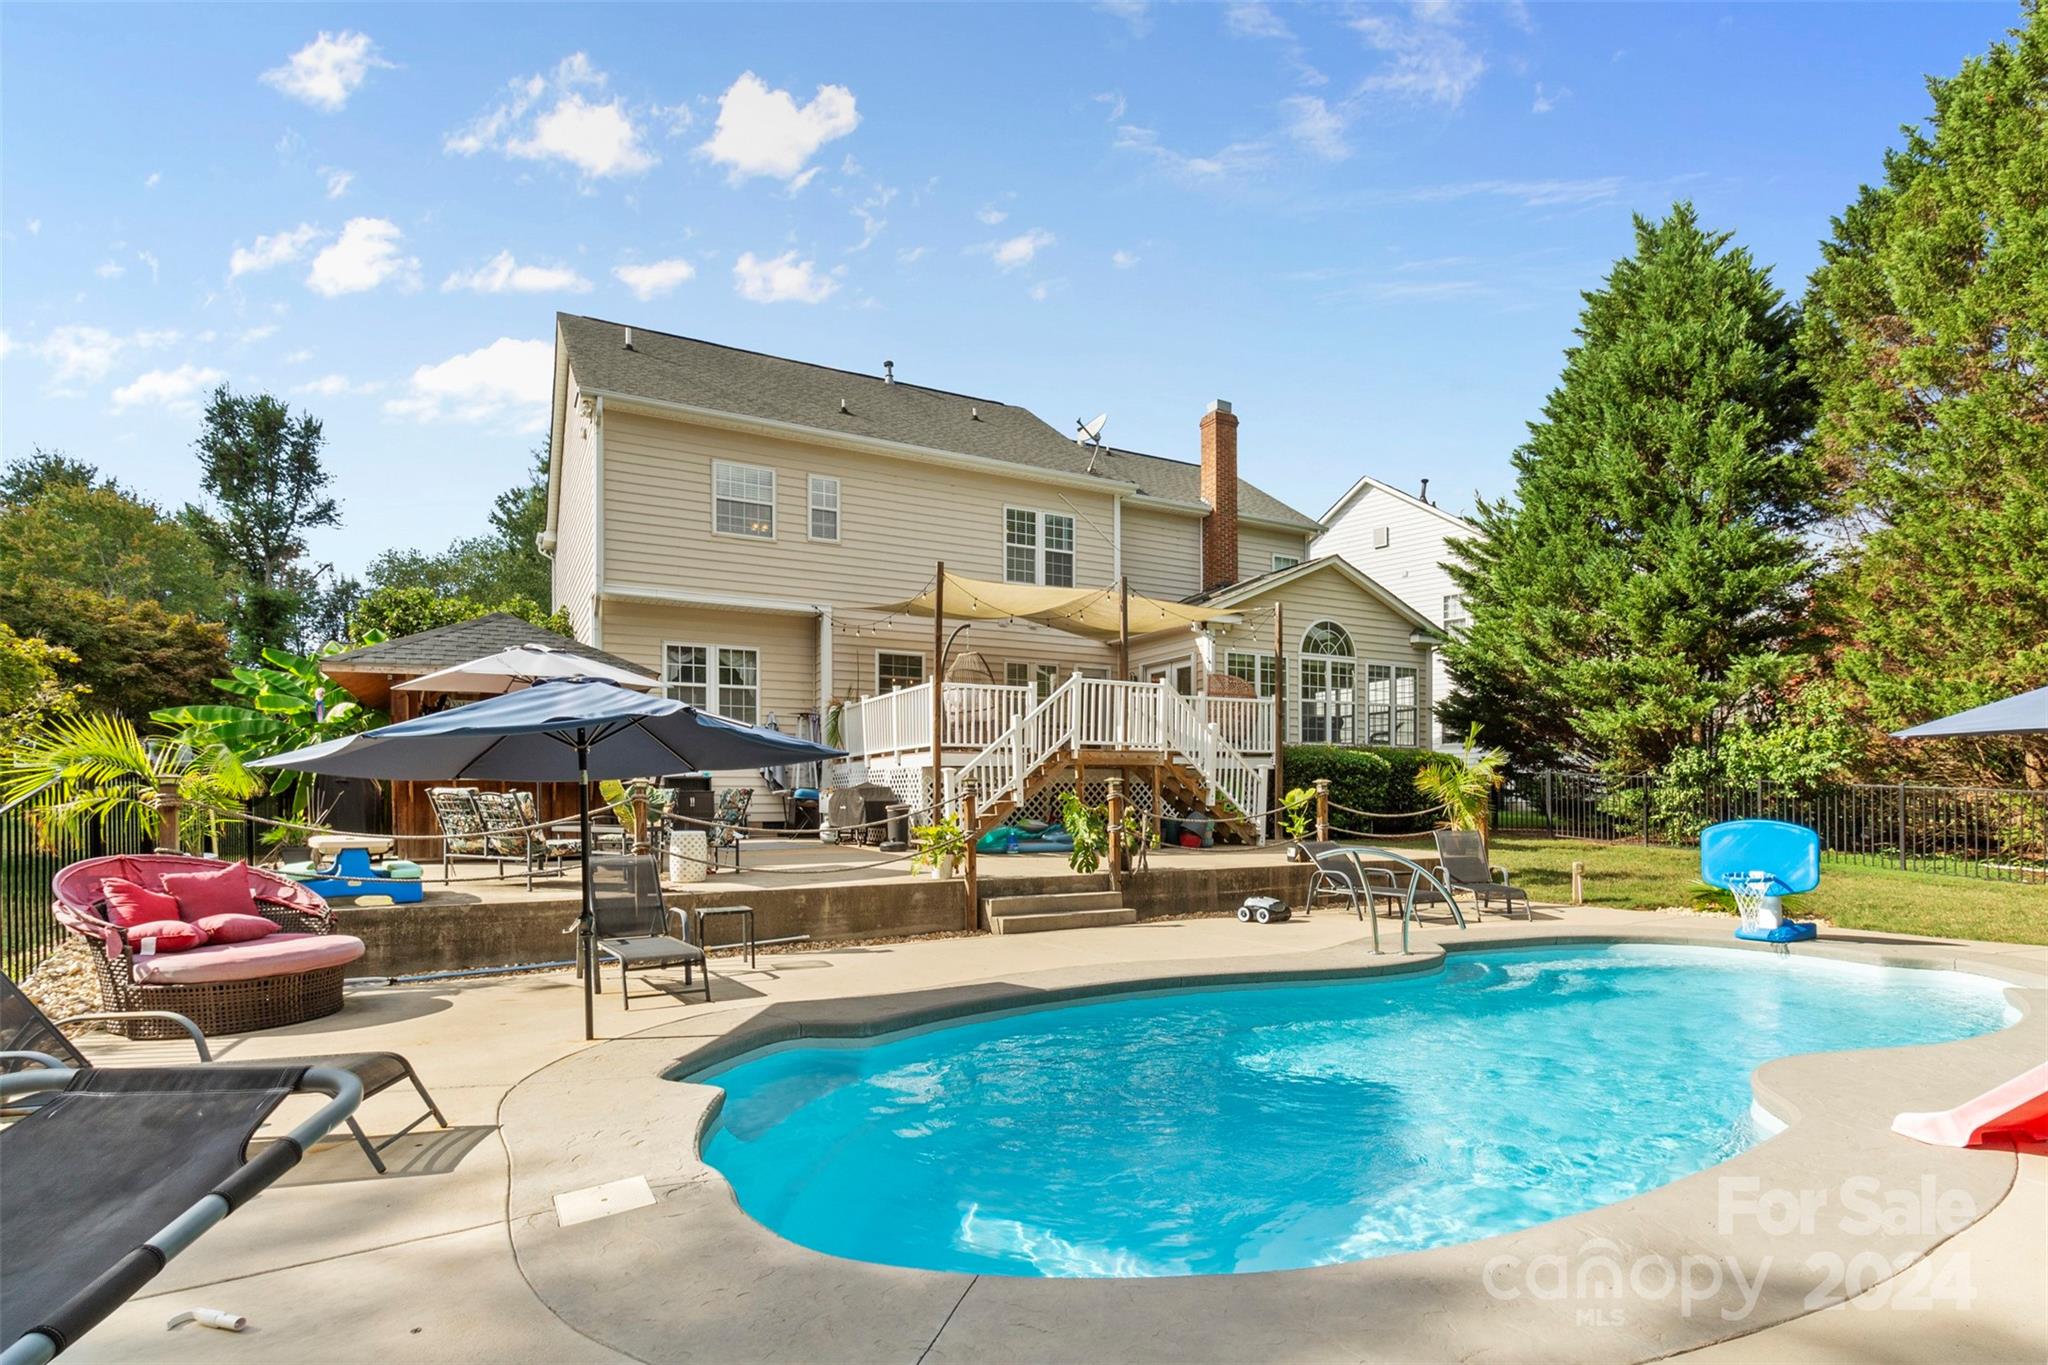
(939, 845)
(1089, 826)
(1296, 819)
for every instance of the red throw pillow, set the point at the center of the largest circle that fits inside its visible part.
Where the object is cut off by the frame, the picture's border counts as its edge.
(221, 890)
(128, 903)
(234, 928)
(171, 936)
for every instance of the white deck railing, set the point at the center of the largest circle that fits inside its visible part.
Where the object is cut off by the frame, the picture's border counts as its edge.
(900, 721)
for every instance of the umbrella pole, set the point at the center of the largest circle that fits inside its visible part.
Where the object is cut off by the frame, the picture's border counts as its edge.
(587, 921)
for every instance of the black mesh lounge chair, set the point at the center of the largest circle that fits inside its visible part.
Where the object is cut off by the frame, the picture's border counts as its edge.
(632, 922)
(84, 1236)
(1461, 861)
(28, 1038)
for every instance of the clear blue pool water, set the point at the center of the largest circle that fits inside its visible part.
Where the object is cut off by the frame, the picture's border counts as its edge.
(1275, 1127)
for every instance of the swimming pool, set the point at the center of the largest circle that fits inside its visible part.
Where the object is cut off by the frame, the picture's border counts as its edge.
(1274, 1127)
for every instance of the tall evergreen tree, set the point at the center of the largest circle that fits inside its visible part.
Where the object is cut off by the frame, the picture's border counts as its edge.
(1926, 328)
(261, 470)
(1648, 576)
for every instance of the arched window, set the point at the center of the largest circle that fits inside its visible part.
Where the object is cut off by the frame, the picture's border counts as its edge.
(1329, 682)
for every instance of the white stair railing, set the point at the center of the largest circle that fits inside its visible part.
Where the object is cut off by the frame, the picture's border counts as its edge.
(1228, 773)
(999, 770)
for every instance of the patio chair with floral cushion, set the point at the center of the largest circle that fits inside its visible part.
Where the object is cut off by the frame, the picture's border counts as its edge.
(463, 829)
(729, 823)
(228, 983)
(512, 834)
(559, 838)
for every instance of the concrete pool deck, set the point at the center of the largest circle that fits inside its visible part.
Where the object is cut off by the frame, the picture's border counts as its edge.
(460, 1252)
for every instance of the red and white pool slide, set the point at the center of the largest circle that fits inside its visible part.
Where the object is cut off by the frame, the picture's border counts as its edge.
(2018, 1109)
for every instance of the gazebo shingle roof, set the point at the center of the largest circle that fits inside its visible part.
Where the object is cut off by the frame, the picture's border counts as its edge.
(446, 646)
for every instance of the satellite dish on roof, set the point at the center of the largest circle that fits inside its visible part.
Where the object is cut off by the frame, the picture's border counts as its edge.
(1091, 432)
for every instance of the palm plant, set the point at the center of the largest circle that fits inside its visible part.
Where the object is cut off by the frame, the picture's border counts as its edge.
(1464, 788)
(94, 767)
(287, 704)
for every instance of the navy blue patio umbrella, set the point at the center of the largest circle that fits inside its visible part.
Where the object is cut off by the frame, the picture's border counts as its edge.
(2026, 714)
(573, 730)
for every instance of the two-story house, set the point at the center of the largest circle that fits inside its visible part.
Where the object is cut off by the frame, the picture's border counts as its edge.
(740, 523)
(1402, 541)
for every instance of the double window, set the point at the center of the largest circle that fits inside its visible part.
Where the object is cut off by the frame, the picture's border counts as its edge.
(824, 507)
(1285, 562)
(1391, 714)
(1454, 612)
(1253, 666)
(1038, 547)
(742, 500)
(1040, 678)
(894, 670)
(722, 679)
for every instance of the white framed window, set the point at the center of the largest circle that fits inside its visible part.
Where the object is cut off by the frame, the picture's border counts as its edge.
(1407, 729)
(742, 500)
(1020, 546)
(1040, 678)
(1254, 666)
(894, 669)
(1038, 547)
(1379, 704)
(686, 674)
(722, 679)
(824, 507)
(1285, 562)
(1329, 684)
(1382, 537)
(1454, 612)
(739, 685)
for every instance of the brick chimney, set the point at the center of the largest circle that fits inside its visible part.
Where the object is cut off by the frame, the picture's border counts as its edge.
(1219, 490)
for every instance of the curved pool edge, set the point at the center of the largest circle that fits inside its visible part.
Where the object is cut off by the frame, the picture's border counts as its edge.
(765, 1298)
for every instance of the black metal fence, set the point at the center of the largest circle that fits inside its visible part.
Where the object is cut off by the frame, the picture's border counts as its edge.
(1999, 833)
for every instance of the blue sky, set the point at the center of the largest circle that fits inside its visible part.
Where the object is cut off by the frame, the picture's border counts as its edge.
(1366, 226)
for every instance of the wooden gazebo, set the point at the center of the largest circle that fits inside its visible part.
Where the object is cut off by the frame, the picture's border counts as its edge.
(370, 672)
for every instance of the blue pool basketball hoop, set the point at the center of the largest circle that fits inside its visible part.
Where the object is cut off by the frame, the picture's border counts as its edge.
(1759, 862)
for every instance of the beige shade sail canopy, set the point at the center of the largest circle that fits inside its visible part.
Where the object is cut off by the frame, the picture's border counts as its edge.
(1093, 612)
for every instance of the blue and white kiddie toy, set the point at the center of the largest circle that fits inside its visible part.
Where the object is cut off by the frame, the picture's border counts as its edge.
(1759, 862)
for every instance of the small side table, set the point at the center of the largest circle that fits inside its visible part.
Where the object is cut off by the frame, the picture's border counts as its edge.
(706, 911)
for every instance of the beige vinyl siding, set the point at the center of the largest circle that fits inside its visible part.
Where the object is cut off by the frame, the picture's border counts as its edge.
(858, 635)
(1378, 635)
(1256, 546)
(896, 518)
(1410, 565)
(1162, 552)
(575, 562)
(787, 645)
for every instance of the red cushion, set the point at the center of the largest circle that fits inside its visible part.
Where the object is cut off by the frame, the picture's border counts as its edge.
(129, 904)
(235, 928)
(223, 890)
(171, 936)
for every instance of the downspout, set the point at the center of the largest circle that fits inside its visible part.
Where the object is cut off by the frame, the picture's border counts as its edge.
(597, 519)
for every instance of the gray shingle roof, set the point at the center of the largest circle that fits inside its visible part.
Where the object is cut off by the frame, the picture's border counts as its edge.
(447, 646)
(701, 374)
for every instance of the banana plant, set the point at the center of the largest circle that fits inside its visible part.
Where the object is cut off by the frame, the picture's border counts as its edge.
(94, 767)
(286, 703)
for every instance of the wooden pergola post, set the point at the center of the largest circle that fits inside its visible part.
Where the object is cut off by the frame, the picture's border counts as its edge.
(938, 689)
(1279, 703)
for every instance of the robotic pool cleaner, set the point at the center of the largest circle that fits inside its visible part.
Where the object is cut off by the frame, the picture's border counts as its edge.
(1263, 909)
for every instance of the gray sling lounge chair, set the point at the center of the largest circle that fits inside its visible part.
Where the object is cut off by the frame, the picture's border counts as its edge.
(28, 1038)
(1461, 859)
(90, 1222)
(633, 921)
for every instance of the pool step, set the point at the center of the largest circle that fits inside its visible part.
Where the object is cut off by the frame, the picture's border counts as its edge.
(1064, 910)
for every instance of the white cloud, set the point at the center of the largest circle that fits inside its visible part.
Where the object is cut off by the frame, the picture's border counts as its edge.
(1136, 14)
(990, 214)
(1532, 193)
(1123, 260)
(1116, 102)
(1230, 160)
(1548, 99)
(326, 71)
(149, 259)
(1013, 252)
(502, 275)
(1428, 59)
(363, 257)
(279, 248)
(338, 181)
(333, 386)
(110, 270)
(781, 279)
(6, 344)
(254, 334)
(1316, 126)
(298, 357)
(600, 140)
(507, 379)
(654, 277)
(167, 388)
(911, 255)
(765, 132)
(152, 180)
(35, 227)
(1256, 21)
(81, 354)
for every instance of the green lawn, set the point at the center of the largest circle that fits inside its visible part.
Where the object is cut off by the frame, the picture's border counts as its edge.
(1633, 877)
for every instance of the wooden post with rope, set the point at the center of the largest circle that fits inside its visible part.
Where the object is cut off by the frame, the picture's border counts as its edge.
(1323, 809)
(167, 803)
(938, 691)
(972, 872)
(1116, 832)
